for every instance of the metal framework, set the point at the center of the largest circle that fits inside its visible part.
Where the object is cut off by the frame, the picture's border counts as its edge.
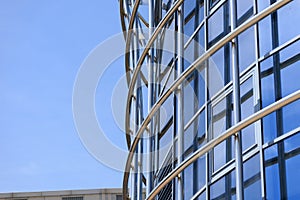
(214, 124)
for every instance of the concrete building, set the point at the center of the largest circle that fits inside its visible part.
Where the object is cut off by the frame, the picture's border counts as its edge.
(94, 194)
(213, 109)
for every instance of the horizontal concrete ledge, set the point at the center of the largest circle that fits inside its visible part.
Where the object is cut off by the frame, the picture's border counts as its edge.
(60, 193)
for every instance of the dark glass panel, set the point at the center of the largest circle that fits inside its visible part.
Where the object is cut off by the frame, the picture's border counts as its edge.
(252, 185)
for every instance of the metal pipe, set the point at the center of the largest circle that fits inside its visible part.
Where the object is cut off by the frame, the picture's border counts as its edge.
(179, 99)
(187, 72)
(236, 106)
(139, 65)
(231, 131)
(150, 104)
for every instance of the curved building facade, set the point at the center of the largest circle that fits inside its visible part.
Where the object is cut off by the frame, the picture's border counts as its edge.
(213, 109)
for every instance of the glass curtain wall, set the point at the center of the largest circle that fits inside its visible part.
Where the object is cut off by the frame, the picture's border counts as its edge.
(185, 96)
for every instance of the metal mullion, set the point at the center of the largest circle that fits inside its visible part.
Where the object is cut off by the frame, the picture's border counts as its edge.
(257, 106)
(278, 95)
(237, 106)
(150, 141)
(207, 132)
(179, 96)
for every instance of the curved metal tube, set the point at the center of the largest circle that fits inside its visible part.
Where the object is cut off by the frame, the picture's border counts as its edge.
(128, 39)
(140, 62)
(122, 14)
(256, 18)
(127, 46)
(231, 131)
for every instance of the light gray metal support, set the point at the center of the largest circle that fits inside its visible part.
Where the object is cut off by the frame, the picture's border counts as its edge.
(179, 98)
(150, 138)
(257, 88)
(236, 106)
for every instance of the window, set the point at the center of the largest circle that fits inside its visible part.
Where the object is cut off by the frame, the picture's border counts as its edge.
(72, 198)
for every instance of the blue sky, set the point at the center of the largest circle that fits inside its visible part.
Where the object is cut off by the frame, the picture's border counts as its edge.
(43, 43)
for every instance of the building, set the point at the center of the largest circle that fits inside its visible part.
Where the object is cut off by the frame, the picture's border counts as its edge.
(213, 109)
(91, 194)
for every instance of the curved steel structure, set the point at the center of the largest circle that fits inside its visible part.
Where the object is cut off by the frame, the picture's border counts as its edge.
(226, 107)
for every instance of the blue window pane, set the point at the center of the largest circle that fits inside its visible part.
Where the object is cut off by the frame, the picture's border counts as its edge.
(262, 4)
(288, 17)
(215, 24)
(289, 79)
(246, 48)
(201, 40)
(292, 166)
(267, 90)
(293, 177)
(265, 36)
(252, 185)
(189, 6)
(224, 188)
(269, 127)
(202, 196)
(216, 72)
(189, 27)
(292, 142)
(188, 182)
(201, 125)
(201, 11)
(247, 109)
(201, 88)
(272, 182)
(243, 6)
(201, 172)
(218, 189)
(291, 116)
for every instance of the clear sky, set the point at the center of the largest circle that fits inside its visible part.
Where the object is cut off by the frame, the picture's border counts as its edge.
(42, 45)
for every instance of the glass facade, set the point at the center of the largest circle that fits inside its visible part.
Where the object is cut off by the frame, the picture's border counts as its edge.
(213, 107)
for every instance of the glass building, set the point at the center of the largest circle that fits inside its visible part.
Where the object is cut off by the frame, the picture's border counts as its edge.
(213, 109)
